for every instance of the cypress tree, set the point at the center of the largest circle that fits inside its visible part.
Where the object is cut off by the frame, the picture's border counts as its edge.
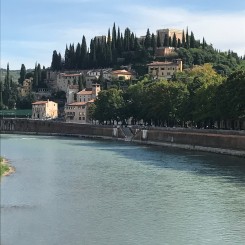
(78, 56)
(83, 59)
(166, 41)
(170, 42)
(187, 39)
(158, 40)
(183, 39)
(192, 41)
(203, 43)
(147, 42)
(174, 43)
(22, 74)
(179, 43)
(114, 37)
(153, 44)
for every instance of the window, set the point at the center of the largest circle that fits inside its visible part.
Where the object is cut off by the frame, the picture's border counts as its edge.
(83, 118)
(80, 118)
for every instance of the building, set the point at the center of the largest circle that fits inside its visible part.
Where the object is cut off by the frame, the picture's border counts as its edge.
(26, 88)
(71, 93)
(121, 74)
(100, 39)
(77, 112)
(164, 51)
(164, 69)
(169, 33)
(88, 95)
(44, 109)
(63, 80)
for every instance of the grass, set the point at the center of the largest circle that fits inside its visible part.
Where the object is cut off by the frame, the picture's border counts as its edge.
(3, 167)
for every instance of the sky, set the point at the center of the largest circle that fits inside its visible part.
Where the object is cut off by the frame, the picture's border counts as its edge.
(32, 29)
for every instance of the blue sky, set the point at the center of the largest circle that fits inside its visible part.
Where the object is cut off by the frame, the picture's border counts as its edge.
(32, 29)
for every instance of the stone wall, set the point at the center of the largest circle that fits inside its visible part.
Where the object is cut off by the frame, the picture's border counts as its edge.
(220, 141)
(229, 142)
(58, 128)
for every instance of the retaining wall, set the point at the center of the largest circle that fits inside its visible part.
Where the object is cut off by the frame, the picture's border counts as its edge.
(226, 142)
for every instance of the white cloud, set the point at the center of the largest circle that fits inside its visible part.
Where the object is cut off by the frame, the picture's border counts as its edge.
(224, 30)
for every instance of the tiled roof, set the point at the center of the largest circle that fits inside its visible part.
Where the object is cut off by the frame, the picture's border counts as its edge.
(123, 72)
(39, 102)
(158, 63)
(77, 103)
(83, 92)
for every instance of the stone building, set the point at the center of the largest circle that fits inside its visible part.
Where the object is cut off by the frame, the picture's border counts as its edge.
(44, 109)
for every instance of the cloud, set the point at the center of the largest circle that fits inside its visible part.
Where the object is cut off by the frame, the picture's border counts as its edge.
(223, 30)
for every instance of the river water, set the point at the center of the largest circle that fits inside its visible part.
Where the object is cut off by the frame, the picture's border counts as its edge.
(76, 191)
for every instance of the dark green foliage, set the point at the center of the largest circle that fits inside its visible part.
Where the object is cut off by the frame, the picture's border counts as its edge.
(22, 74)
(166, 41)
(147, 42)
(125, 49)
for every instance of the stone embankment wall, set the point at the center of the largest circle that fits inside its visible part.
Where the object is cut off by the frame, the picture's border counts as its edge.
(219, 141)
(49, 127)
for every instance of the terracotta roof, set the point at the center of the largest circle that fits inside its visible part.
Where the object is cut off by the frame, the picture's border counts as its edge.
(39, 102)
(123, 72)
(157, 63)
(91, 101)
(85, 92)
(77, 103)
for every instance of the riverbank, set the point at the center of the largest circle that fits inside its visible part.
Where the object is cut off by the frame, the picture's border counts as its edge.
(228, 142)
(5, 168)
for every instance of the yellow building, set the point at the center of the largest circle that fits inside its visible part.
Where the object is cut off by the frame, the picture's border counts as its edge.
(87, 95)
(169, 33)
(164, 69)
(118, 74)
(44, 110)
(77, 112)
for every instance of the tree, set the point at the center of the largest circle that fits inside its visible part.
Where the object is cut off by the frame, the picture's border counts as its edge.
(187, 39)
(166, 41)
(56, 61)
(174, 43)
(183, 39)
(153, 44)
(231, 97)
(192, 41)
(22, 74)
(158, 40)
(147, 42)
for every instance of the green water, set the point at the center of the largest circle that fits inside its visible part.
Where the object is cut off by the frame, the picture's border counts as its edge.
(72, 191)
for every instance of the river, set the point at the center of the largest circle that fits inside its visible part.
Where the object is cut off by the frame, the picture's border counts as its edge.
(79, 191)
